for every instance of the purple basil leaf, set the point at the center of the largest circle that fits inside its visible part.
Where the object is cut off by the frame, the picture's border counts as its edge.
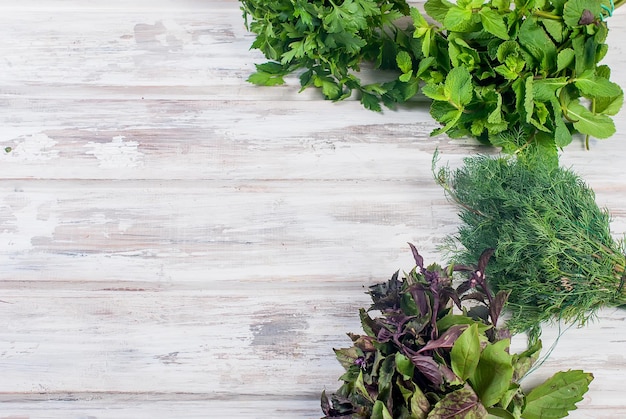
(384, 335)
(419, 260)
(429, 368)
(479, 313)
(421, 298)
(364, 343)
(462, 403)
(497, 305)
(463, 268)
(484, 258)
(446, 340)
(448, 374)
(450, 293)
(399, 319)
(386, 295)
(464, 287)
(477, 296)
(325, 403)
(503, 333)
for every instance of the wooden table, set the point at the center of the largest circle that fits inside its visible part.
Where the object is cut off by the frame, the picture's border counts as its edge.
(177, 243)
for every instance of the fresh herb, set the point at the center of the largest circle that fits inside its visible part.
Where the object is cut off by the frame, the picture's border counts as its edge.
(329, 40)
(430, 356)
(524, 68)
(494, 66)
(553, 246)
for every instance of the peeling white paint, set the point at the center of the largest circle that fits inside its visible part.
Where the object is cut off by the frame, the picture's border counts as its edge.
(30, 219)
(117, 154)
(35, 147)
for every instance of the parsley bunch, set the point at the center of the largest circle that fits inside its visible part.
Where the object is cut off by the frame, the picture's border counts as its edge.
(329, 41)
(529, 66)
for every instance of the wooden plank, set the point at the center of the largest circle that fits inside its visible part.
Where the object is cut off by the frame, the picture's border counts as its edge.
(177, 242)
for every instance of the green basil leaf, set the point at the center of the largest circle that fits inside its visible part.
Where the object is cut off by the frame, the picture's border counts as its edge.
(494, 372)
(404, 366)
(465, 353)
(557, 396)
(380, 411)
(419, 404)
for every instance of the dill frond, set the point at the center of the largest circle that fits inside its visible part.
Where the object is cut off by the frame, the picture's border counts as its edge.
(553, 246)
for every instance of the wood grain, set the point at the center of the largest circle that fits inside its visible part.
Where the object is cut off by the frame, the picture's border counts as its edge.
(175, 242)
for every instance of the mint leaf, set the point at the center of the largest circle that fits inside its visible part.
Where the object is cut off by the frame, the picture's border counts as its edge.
(458, 20)
(574, 11)
(493, 23)
(609, 105)
(437, 9)
(529, 98)
(554, 28)
(421, 25)
(562, 135)
(557, 396)
(593, 86)
(586, 122)
(546, 90)
(565, 59)
(458, 87)
(585, 49)
(533, 39)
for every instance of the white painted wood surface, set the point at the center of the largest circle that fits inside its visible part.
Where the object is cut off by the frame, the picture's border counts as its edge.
(175, 242)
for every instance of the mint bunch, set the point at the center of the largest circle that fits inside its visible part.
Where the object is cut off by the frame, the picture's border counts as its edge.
(530, 66)
(436, 351)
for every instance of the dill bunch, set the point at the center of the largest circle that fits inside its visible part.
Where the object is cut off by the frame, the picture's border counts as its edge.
(553, 246)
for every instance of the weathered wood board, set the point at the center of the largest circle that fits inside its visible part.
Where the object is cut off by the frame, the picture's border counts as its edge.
(175, 242)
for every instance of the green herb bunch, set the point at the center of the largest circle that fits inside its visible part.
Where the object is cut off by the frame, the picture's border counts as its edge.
(553, 248)
(529, 66)
(328, 40)
(489, 67)
(431, 355)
